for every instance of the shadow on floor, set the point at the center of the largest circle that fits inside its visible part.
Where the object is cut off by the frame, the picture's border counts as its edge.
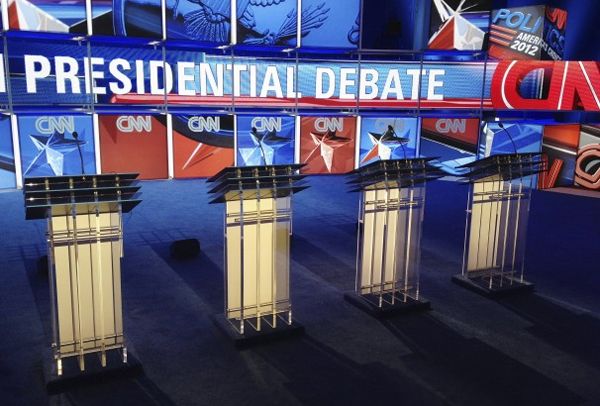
(574, 333)
(470, 372)
(201, 274)
(126, 392)
(323, 263)
(318, 375)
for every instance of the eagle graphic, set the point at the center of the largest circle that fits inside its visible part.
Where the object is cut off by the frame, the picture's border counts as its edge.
(212, 19)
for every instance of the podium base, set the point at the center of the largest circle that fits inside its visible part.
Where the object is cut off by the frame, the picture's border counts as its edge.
(368, 304)
(252, 337)
(94, 372)
(481, 285)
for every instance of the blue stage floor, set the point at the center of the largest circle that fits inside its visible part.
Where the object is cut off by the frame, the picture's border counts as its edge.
(540, 349)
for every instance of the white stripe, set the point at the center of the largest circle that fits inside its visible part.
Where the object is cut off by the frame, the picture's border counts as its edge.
(97, 151)
(170, 160)
(14, 127)
(506, 103)
(297, 140)
(562, 87)
(233, 22)
(357, 142)
(587, 78)
(235, 155)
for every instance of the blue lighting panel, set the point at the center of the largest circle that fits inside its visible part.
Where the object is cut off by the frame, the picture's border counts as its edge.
(330, 23)
(267, 22)
(127, 18)
(200, 20)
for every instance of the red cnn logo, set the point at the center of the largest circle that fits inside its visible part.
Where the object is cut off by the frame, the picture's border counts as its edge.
(573, 85)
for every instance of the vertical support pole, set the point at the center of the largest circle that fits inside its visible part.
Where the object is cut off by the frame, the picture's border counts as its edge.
(258, 264)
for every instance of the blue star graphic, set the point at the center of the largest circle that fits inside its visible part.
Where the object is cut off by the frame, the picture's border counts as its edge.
(51, 151)
(265, 147)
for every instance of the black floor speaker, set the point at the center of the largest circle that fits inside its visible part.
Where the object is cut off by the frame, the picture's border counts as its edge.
(185, 249)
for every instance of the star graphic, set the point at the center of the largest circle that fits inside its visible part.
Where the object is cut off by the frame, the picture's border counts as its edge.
(51, 151)
(200, 153)
(327, 144)
(265, 147)
(384, 144)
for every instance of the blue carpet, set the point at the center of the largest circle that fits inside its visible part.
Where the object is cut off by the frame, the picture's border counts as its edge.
(536, 349)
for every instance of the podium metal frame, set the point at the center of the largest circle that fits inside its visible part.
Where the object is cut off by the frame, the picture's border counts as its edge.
(496, 223)
(391, 209)
(257, 230)
(85, 246)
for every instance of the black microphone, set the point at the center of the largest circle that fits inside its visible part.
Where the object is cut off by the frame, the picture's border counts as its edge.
(509, 136)
(76, 137)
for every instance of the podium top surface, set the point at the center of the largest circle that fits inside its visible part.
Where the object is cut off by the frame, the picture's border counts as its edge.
(504, 160)
(394, 173)
(504, 166)
(257, 182)
(256, 171)
(386, 182)
(235, 194)
(69, 182)
(393, 165)
(80, 193)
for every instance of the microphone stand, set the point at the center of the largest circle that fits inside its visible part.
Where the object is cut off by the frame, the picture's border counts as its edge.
(76, 137)
(509, 136)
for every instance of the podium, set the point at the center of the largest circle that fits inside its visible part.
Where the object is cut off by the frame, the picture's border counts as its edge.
(257, 250)
(496, 223)
(85, 246)
(391, 211)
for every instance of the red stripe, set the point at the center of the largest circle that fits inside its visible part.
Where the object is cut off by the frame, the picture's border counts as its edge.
(553, 172)
(499, 41)
(466, 103)
(501, 35)
(500, 28)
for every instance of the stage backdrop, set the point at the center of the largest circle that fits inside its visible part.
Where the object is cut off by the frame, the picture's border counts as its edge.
(265, 140)
(453, 140)
(202, 145)
(49, 147)
(388, 138)
(7, 156)
(327, 144)
(134, 143)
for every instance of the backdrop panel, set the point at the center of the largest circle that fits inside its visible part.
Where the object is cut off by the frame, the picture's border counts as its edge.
(453, 140)
(327, 144)
(130, 18)
(495, 140)
(387, 138)
(330, 23)
(202, 145)
(201, 20)
(265, 140)
(48, 15)
(49, 146)
(134, 143)
(273, 23)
